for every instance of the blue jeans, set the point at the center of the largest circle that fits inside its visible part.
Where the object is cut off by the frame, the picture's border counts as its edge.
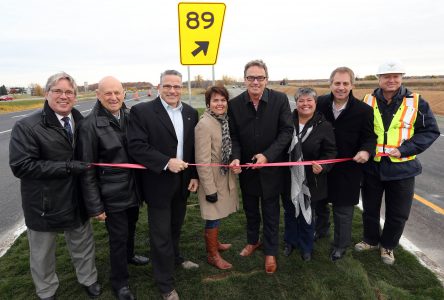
(210, 224)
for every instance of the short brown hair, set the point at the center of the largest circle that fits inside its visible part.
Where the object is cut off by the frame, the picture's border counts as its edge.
(215, 89)
(343, 70)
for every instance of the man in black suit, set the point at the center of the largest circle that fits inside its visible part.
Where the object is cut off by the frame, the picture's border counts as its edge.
(161, 137)
(261, 129)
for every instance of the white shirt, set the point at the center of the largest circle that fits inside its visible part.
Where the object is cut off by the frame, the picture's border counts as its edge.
(337, 111)
(175, 114)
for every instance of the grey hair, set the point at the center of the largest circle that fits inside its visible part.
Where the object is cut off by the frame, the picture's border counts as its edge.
(343, 70)
(54, 79)
(305, 91)
(256, 63)
(170, 72)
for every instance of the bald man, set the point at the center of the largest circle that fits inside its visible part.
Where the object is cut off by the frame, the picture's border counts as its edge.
(111, 194)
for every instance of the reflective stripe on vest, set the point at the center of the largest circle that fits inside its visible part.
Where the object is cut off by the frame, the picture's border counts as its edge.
(401, 128)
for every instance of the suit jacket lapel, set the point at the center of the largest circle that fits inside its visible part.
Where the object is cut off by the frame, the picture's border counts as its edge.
(164, 117)
(186, 118)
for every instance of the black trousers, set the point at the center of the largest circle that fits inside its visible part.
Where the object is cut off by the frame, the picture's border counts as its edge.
(398, 202)
(121, 228)
(322, 217)
(270, 216)
(165, 225)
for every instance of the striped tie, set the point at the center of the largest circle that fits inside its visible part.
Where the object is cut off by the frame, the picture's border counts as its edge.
(67, 127)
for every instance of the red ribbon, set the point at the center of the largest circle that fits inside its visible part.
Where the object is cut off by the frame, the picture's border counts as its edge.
(277, 164)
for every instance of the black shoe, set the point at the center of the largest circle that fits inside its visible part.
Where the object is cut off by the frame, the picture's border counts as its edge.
(138, 260)
(306, 256)
(320, 235)
(94, 290)
(53, 297)
(288, 249)
(124, 293)
(337, 253)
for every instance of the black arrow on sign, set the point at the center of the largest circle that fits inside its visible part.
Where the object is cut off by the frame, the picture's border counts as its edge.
(203, 46)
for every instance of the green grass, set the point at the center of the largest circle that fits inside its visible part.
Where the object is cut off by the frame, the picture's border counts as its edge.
(357, 276)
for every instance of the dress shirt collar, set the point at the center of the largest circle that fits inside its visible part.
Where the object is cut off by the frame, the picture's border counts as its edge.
(169, 107)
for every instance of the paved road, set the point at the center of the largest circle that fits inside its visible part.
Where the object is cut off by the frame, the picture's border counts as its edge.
(424, 229)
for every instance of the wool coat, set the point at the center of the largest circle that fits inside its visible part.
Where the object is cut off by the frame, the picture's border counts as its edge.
(319, 145)
(353, 132)
(267, 130)
(208, 148)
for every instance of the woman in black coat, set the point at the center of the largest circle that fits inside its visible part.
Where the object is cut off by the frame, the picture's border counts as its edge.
(315, 137)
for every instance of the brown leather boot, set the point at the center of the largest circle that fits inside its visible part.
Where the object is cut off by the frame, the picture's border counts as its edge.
(220, 246)
(270, 264)
(213, 256)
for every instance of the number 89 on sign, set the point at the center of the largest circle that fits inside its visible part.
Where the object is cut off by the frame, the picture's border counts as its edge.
(200, 29)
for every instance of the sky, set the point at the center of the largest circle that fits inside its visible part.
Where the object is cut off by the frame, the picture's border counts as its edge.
(137, 40)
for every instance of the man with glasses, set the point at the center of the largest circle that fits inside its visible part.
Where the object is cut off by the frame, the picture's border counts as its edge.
(261, 129)
(111, 194)
(161, 137)
(41, 155)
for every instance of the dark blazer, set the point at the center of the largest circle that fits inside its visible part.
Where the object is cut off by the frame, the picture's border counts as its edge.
(102, 138)
(152, 142)
(268, 131)
(38, 151)
(353, 132)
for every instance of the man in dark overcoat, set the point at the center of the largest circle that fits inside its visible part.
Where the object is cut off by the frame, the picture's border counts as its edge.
(111, 194)
(353, 127)
(261, 129)
(41, 154)
(161, 137)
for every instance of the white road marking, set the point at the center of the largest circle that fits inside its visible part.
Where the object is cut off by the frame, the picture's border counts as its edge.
(85, 110)
(5, 131)
(6, 244)
(19, 116)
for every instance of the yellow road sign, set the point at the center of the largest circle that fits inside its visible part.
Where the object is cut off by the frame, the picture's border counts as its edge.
(200, 29)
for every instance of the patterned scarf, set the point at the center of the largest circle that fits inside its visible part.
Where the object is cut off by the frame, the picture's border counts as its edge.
(226, 140)
(300, 194)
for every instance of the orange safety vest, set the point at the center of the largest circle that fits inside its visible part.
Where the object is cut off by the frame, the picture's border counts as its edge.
(401, 128)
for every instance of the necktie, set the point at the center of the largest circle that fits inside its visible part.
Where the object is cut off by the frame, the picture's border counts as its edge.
(67, 127)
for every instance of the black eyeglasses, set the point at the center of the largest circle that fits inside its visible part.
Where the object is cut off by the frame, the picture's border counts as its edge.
(169, 86)
(253, 78)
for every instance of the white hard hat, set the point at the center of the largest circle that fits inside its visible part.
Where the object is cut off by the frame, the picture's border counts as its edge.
(391, 67)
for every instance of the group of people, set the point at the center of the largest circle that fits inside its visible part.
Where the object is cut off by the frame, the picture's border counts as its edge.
(52, 153)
